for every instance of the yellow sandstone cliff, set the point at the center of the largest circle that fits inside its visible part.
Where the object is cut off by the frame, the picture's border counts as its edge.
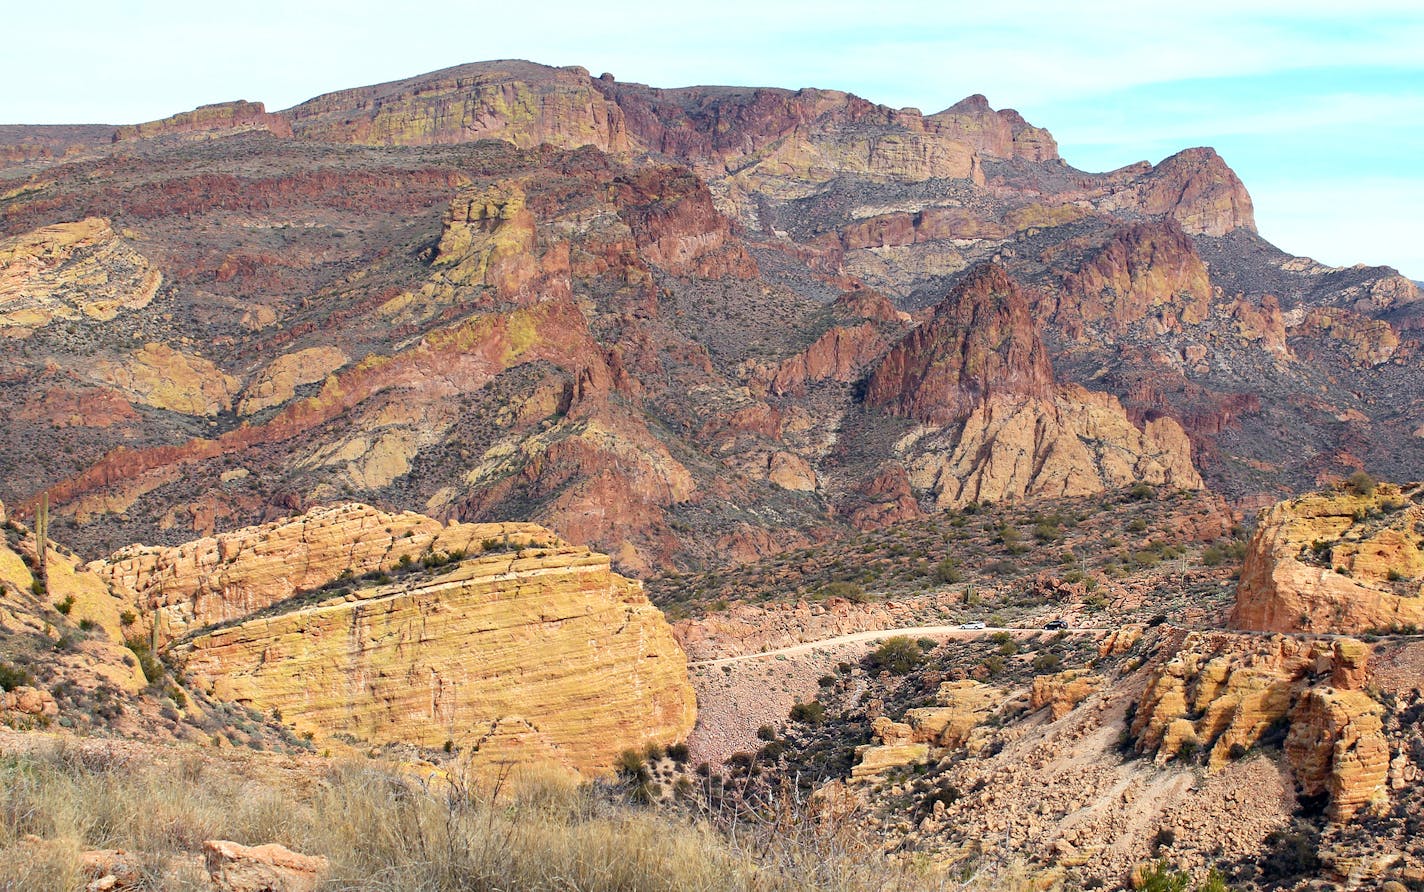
(1336, 562)
(1222, 694)
(231, 575)
(549, 643)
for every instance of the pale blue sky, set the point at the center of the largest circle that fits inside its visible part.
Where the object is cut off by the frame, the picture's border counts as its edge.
(1320, 111)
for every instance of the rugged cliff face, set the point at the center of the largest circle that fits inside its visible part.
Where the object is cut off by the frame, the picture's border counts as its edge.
(996, 424)
(1221, 694)
(542, 651)
(229, 576)
(1338, 562)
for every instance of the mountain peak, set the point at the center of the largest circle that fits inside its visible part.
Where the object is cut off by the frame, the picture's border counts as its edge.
(981, 341)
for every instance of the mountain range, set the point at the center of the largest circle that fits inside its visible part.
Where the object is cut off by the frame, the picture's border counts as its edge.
(686, 326)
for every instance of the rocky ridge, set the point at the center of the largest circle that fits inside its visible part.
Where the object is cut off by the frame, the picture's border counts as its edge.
(684, 292)
(1346, 561)
(1220, 695)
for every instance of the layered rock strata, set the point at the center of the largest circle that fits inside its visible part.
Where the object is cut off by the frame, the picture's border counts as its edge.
(80, 270)
(549, 642)
(231, 575)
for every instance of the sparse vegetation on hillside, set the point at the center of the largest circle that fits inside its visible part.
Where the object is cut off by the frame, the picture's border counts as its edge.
(385, 831)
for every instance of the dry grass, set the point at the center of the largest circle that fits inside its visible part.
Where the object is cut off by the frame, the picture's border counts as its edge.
(387, 832)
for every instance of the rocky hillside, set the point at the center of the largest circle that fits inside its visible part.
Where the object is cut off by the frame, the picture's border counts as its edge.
(348, 626)
(686, 327)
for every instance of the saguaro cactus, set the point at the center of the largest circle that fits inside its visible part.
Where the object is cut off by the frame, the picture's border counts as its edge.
(42, 540)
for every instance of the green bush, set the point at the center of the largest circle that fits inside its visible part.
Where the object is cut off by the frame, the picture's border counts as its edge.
(1361, 484)
(1047, 662)
(947, 573)
(152, 668)
(848, 590)
(898, 656)
(12, 677)
(65, 606)
(812, 713)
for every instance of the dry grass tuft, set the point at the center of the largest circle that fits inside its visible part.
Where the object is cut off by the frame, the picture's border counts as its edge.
(386, 831)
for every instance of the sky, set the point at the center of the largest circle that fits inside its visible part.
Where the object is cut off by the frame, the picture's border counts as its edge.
(1320, 110)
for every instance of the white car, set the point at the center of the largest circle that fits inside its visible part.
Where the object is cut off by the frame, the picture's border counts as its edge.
(973, 625)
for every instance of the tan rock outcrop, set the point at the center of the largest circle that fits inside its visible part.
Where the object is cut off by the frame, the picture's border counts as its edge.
(1077, 443)
(1221, 694)
(221, 118)
(963, 706)
(548, 638)
(1337, 747)
(228, 576)
(25, 702)
(520, 102)
(278, 382)
(233, 867)
(80, 270)
(1063, 691)
(928, 732)
(1367, 341)
(159, 376)
(1335, 562)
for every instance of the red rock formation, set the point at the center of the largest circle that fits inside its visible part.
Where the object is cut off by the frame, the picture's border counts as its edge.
(1148, 269)
(671, 213)
(1197, 189)
(980, 342)
(885, 499)
(220, 118)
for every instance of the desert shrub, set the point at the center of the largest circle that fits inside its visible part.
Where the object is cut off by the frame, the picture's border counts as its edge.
(679, 753)
(1361, 484)
(1047, 662)
(1290, 854)
(127, 618)
(946, 572)
(926, 644)
(766, 732)
(897, 655)
(812, 713)
(630, 766)
(65, 605)
(1162, 878)
(152, 668)
(849, 590)
(12, 677)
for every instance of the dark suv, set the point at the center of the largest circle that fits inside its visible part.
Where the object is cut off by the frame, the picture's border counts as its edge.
(1056, 624)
